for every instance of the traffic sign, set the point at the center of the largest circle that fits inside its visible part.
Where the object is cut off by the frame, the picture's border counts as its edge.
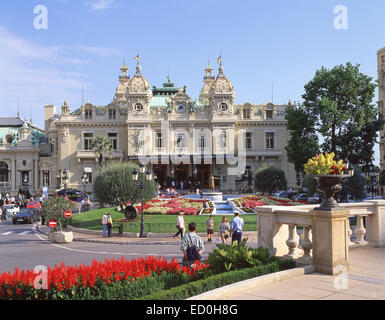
(68, 214)
(52, 223)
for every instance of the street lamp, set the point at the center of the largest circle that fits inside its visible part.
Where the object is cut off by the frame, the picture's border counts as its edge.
(373, 172)
(84, 181)
(350, 172)
(65, 179)
(141, 185)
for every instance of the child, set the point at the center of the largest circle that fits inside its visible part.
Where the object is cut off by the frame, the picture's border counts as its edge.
(210, 228)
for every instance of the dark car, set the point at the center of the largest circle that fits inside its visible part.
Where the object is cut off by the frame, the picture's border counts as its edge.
(71, 193)
(29, 215)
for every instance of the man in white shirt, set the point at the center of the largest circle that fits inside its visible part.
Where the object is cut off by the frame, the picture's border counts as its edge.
(105, 223)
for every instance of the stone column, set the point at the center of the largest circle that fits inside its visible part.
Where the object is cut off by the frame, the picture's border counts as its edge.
(330, 240)
(13, 175)
(36, 176)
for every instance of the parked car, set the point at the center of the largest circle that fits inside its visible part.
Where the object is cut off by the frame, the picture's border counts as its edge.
(281, 194)
(300, 197)
(10, 210)
(314, 198)
(71, 193)
(29, 215)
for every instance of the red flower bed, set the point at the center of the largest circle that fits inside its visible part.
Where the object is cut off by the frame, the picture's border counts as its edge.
(66, 277)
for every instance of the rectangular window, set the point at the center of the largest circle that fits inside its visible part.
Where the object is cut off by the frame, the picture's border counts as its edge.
(269, 114)
(249, 140)
(180, 140)
(270, 140)
(46, 178)
(246, 113)
(88, 137)
(113, 137)
(89, 177)
(88, 114)
(112, 114)
(25, 178)
(158, 140)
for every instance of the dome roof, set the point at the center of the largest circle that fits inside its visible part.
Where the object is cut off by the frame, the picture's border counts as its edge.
(138, 84)
(221, 84)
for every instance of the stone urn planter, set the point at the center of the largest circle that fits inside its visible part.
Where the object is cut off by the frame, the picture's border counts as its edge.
(329, 185)
(61, 237)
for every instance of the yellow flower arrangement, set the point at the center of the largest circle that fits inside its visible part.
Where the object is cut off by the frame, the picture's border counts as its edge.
(324, 164)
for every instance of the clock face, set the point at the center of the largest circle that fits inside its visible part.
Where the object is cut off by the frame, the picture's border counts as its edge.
(138, 107)
(181, 107)
(223, 107)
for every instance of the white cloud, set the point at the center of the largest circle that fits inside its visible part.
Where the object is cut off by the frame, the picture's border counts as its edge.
(42, 74)
(100, 5)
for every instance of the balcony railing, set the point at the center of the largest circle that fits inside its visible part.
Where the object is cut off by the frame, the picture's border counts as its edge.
(288, 231)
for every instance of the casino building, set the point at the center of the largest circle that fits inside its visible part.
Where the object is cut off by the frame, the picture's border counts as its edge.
(182, 138)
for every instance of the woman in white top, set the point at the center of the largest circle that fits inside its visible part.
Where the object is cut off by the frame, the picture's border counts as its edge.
(223, 231)
(180, 225)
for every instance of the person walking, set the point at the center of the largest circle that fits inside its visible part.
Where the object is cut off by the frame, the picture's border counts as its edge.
(180, 225)
(210, 228)
(223, 230)
(192, 245)
(236, 227)
(109, 225)
(104, 223)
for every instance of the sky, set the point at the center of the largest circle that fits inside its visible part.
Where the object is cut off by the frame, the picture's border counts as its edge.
(270, 48)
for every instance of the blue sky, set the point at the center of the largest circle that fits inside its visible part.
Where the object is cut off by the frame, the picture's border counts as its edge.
(262, 42)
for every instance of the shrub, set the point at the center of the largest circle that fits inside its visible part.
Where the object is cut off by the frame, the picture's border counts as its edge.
(210, 283)
(237, 256)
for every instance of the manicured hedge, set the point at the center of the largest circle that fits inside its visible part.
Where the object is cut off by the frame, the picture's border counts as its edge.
(216, 281)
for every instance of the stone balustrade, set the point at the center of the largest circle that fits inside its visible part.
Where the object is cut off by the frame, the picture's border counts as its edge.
(296, 232)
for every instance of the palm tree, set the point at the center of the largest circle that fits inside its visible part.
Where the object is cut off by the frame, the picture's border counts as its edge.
(102, 146)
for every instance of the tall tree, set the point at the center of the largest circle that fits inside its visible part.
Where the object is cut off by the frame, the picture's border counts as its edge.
(102, 146)
(303, 141)
(340, 101)
(270, 179)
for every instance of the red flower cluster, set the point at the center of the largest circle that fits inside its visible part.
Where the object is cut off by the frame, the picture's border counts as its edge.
(336, 170)
(65, 277)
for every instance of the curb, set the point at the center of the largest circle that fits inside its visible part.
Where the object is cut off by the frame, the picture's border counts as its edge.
(155, 241)
(228, 292)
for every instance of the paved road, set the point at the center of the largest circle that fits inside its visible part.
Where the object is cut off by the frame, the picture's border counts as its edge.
(23, 247)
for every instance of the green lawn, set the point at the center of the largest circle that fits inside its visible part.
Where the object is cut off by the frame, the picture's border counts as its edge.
(153, 223)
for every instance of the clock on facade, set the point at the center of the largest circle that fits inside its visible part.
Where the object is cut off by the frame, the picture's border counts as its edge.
(223, 107)
(138, 107)
(181, 107)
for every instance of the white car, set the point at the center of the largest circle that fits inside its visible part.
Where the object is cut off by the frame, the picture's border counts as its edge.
(10, 210)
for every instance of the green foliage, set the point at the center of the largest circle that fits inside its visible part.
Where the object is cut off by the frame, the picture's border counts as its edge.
(219, 280)
(356, 184)
(340, 102)
(225, 258)
(102, 147)
(269, 179)
(303, 142)
(53, 209)
(114, 185)
(310, 184)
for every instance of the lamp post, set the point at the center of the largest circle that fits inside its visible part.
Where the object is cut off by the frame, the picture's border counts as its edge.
(141, 185)
(350, 172)
(84, 181)
(65, 179)
(373, 172)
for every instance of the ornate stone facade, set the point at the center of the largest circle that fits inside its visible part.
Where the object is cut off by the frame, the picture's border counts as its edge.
(181, 137)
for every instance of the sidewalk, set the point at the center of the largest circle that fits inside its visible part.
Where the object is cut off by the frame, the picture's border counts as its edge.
(133, 239)
(365, 281)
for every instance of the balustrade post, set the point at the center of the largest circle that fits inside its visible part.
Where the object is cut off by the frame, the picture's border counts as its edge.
(350, 232)
(330, 243)
(375, 224)
(360, 231)
(307, 244)
(292, 242)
